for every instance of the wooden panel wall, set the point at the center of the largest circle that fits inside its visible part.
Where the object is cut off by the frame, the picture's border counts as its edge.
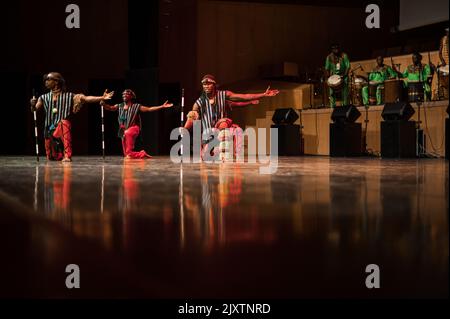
(234, 38)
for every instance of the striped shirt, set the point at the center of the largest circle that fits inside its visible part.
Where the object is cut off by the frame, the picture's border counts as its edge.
(130, 116)
(63, 106)
(210, 114)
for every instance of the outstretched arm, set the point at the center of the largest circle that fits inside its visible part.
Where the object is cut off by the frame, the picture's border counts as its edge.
(108, 107)
(80, 99)
(96, 99)
(248, 97)
(155, 108)
(238, 104)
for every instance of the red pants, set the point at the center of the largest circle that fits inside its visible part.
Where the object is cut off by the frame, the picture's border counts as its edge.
(128, 139)
(62, 132)
(237, 140)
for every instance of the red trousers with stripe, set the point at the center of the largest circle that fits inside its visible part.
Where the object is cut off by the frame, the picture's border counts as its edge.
(62, 132)
(128, 140)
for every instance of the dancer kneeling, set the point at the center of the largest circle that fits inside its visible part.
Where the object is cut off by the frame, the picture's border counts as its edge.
(212, 108)
(130, 121)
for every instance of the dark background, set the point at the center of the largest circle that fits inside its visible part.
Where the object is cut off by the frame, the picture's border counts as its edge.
(152, 47)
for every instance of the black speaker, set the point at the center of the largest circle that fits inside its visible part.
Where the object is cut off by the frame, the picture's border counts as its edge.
(399, 111)
(398, 139)
(345, 139)
(345, 114)
(289, 140)
(284, 116)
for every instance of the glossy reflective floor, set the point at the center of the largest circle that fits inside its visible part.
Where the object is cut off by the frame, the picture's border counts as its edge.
(151, 228)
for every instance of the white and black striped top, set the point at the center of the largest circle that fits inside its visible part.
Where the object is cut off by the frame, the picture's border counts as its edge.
(130, 116)
(210, 114)
(63, 106)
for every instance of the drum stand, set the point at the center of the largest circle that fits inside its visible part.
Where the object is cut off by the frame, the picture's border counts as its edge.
(351, 89)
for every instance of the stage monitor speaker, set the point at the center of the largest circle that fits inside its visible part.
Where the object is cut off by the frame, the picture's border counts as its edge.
(284, 116)
(398, 139)
(289, 140)
(345, 139)
(399, 111)
(345, 114)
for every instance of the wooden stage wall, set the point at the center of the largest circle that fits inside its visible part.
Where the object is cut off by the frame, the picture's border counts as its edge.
(316, 130)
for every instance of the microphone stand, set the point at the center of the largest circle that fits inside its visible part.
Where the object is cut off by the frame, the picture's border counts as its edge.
(311, 90)
(324, 90)
(366, 121)
(419, 144)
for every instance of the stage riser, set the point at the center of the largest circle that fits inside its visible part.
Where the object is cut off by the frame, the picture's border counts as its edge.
(316, 130)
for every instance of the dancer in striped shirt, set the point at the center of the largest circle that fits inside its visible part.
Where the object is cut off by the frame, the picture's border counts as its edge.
(130, 121)
(214, 105)
(59, 105)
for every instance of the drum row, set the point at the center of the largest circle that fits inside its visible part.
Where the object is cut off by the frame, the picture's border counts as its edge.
(392, 90)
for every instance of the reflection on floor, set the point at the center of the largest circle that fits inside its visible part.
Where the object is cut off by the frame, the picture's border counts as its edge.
(156, 229)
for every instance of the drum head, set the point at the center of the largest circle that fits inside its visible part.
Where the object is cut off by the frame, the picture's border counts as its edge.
(360, 81)
(443, 69)
(334, 81)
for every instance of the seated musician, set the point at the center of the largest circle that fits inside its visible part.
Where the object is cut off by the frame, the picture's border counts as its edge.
(379, 74)
(418, 73)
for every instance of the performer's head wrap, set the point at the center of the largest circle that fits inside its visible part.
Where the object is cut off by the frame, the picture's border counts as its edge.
(209, 78)
(128, 91)
(58, 78)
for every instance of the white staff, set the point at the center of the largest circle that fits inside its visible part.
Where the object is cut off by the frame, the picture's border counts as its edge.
(103, 131)
(182, 122)
(35, 129)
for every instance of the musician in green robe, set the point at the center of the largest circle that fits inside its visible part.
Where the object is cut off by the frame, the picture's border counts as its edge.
(419, 72)
(379, 74)
(337, 63)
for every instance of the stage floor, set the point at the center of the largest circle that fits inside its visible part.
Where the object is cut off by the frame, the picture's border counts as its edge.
(151, 228)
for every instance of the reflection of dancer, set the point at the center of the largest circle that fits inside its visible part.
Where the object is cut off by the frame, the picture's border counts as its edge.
(214, 105)
(58, 105)
(130, 121)
(57, 188)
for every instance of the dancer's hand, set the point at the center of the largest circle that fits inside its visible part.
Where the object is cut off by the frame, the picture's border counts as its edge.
(254, 102)
(33, 102)
(167, 104)
(270, 92)
(193, 115)
(107, 95)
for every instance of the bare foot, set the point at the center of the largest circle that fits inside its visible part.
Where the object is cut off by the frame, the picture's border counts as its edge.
(66, 159)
